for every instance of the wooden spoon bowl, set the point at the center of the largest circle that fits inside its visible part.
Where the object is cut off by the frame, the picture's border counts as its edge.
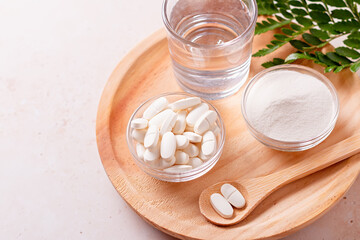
(255, 190)
(210, 214)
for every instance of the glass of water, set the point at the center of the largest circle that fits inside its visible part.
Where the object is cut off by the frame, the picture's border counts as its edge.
(210, 44)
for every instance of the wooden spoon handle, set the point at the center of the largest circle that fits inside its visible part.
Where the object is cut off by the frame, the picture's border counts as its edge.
(316, 162)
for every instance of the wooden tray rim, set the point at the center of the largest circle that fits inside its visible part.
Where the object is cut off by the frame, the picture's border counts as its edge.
(104, 113)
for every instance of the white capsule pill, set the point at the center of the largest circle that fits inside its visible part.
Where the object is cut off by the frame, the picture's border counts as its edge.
(180, 122)
(203, 157)
(157, 106)
(205, 121)
(221, 205)
(192, 150)
(168, 123)
(140, 150)
(156, 164)
(160, 118)
(138, 135)
(208, 145)
(195, 162)
(227, 189)
(181, 141)
(185, 103)
(168, 146)
(152, 137)
(165, 163)
(178, 169)
(196, 113)
(161, 163)
(139, 123)
(233, 195)
(193, 137)
(181, 157)
(152, 154)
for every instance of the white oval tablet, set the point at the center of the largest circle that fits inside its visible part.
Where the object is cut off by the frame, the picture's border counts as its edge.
(165, 163)
(205, 121)
(192, 150)
(168, 145)
(168, 123)
(221, 205)
(196, 113)
(159, 118)
(208, 145)
(193, 137)
(181, 157)
(185, 103)
(233, 195)
(161, 163)
(195, 162)
(203, 157)
(157, 106)
(178, 169)
(152, 154)
(140, 150)
(138, 135)
(154, 164)
(139, 123)
(180, 122)
(151, 137)
(181, 141)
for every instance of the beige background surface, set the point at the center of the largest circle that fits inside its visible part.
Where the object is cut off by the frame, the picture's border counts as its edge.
(55, 58)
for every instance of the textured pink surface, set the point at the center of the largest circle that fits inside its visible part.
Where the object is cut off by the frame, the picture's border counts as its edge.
(55, 58)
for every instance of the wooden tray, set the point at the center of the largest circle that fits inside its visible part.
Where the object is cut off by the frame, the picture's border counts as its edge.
(173, 207)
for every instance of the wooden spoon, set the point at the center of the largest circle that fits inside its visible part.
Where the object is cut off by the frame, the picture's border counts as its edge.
(257, 189)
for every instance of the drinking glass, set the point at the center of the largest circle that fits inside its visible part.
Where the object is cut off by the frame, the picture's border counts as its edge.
(210, 44)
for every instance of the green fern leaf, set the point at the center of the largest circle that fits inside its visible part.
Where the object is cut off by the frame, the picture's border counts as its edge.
(299, 44)
(317, 7)
(287, 31)
(269, 25)
(299, 12)
(296, 3)
(320, 17)
(336, 3)
(320, 33)
(337, 58)
(352, 42)
(342, 14)
(346, 26)
(295, 56)
(355, 35)
(347, 52)
(355, 66)
(304, 21)
(313, 40)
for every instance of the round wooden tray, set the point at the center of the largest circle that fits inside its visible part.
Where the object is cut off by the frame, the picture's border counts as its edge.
(173, 207)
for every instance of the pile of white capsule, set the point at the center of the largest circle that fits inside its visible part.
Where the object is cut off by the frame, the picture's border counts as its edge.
(176, 137)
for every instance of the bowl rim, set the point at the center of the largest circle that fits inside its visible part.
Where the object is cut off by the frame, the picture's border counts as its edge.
(187, 174)
(294, 67)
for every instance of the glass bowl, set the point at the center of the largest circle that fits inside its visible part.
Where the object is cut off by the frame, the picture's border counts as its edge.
(175, 177)
(290, 146)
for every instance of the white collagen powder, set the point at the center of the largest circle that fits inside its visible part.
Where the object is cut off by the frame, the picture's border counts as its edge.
(290, 106)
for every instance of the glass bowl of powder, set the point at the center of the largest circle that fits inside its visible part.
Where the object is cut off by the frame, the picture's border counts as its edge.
(290, 107)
